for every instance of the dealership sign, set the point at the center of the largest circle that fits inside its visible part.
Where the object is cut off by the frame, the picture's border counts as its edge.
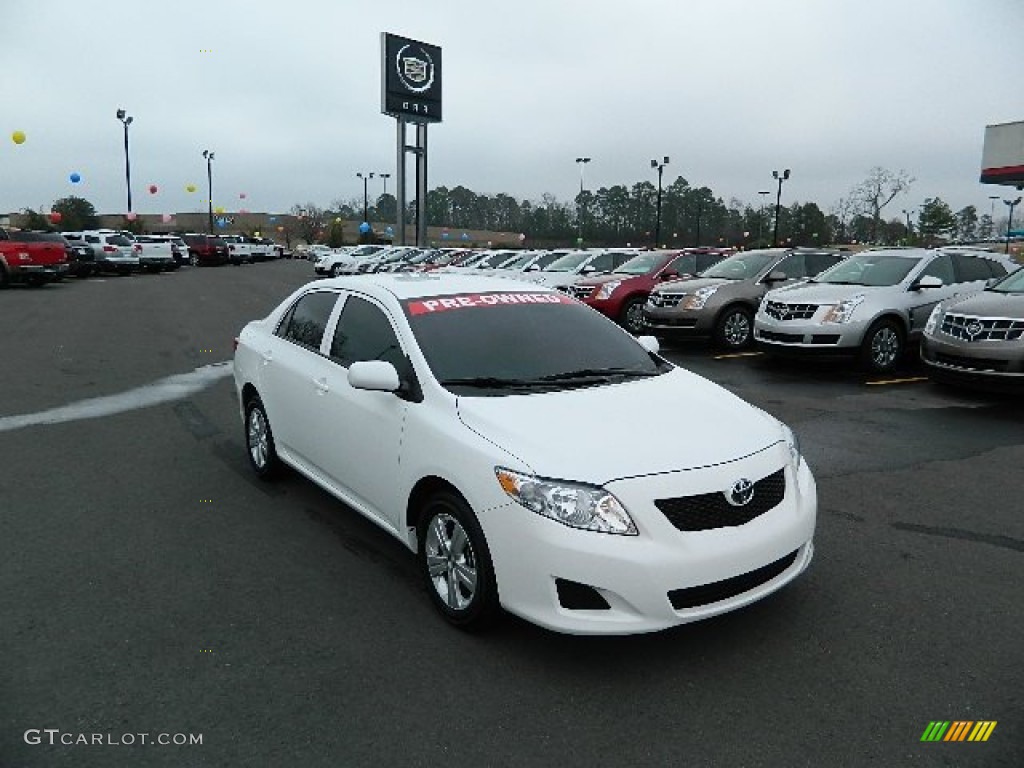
(410, 79)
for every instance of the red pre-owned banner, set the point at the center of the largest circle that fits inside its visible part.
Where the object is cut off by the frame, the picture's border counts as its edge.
(471, 300)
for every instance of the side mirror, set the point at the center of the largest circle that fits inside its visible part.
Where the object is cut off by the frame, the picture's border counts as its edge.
(533, 268)
(650, 343)
(588, 270)
(669, 275)
(374, 375)
(928, 281)
(776, 277)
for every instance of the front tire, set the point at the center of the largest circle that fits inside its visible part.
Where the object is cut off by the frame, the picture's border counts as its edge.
(335, 270)
(735, 328)
(882, 347)
(632, 315)
(456, 563)
(259, 440)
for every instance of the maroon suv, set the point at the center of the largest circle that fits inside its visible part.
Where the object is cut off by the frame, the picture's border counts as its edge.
(621, 294)
(206, 250)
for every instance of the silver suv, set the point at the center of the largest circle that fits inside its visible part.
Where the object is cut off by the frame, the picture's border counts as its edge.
(872, 304)
(721, 301)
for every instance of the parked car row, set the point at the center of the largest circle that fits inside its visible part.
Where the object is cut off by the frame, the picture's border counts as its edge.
(40, 257)
(873, 305)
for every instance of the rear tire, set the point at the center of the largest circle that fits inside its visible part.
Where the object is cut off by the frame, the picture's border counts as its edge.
(632, 315)
(456, 564)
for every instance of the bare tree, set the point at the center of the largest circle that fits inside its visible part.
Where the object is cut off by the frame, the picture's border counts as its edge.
(842, 212)
(877, 191)
(311, 221)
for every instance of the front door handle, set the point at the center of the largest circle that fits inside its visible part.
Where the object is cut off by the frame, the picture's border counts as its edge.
(321, 386)
(267, 356)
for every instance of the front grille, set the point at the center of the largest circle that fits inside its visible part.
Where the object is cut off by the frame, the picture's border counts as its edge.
(670, 322)
(972, 363)
(789, 338)
(969, 328)
(716, 591)
(665, 299)
(781, 311)
(707, 511)
(825, 338)
(580, 291)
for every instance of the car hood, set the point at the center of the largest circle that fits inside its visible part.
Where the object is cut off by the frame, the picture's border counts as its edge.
(691, 284)
(609, 278)
(553, 279)
(824, 293)
(667, 423)
(990, 304)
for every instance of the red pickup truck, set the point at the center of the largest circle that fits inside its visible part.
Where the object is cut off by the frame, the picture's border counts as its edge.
(31, 257)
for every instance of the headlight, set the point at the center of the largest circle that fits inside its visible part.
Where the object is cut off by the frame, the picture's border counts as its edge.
(793, 442)
(841, 312)
(699, 298)
(608, 289)
(933, 319)
(579, 506)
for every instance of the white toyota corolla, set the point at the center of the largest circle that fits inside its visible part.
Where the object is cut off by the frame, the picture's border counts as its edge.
(533, 454)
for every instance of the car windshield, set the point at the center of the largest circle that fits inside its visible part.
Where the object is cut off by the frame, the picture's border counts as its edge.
(640, 265)
(1012, 283)
(518, 262)
(869, 269)
(741, 266)
(568, 263)
(502, 343)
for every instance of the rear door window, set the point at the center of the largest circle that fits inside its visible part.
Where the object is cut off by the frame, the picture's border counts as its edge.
(305, 323)
(971, 268)
(603, 263)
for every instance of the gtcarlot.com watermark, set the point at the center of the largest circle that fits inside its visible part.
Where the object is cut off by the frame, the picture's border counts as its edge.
(55, 736)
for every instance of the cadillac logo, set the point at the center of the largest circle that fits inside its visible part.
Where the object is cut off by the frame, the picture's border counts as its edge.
(973, 328)
(741, 493)
(415, 68)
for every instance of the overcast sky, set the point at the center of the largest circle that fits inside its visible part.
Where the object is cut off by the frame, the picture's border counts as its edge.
(288, 96)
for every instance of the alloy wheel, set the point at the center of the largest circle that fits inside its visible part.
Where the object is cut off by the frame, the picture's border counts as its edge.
(885, 347)
(736, 329)
(259, 442)
(451, 561)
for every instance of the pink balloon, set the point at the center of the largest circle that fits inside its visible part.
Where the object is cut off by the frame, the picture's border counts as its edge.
(131, 215)
(152, 189)
(166, 218)
(243, 210)
(242, 195)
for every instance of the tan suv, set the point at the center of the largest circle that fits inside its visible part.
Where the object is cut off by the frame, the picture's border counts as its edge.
(721, 301)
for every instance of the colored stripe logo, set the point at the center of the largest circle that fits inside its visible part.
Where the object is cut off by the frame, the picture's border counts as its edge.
(958, 730)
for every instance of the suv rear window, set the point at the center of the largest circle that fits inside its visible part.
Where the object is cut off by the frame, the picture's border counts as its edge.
(118, 240)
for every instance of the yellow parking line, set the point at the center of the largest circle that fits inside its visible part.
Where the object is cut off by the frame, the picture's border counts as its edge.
(910, 380)
(738, 354)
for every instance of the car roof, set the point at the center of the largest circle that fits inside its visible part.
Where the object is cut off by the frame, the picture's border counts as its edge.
(414, 285)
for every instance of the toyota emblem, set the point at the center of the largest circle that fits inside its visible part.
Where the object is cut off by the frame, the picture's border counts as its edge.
(741, 493)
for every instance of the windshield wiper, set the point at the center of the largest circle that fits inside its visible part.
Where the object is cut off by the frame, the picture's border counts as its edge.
(596, 373)
(492, 382)
(842, 282)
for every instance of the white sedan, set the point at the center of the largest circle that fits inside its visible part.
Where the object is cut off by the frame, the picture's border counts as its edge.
(533, 454)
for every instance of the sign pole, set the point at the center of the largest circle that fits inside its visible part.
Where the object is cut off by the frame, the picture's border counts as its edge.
(400, 181)
(421, 185)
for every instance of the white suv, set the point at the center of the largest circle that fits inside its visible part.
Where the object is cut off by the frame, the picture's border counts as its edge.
(113, 251)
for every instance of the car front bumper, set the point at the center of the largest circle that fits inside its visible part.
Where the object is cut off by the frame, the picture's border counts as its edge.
(675, 321)
(996, 364)
(808, 335)
(640, 577)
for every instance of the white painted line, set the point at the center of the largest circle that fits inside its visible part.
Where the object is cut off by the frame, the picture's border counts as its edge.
(910, 380)
(175, 387)
(737, 354)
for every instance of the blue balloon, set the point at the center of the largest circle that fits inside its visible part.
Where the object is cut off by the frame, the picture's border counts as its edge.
(221, 223)
(389, 231)
(465, 236)
(75, 178)
(364, 228)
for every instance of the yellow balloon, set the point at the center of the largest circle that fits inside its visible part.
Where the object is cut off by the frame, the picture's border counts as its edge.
(190, 188)
(18, 137)
(218, 209)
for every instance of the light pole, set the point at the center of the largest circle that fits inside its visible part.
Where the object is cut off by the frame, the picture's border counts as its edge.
(910, 230)
(760, 218)
(1011, 204)
(992, 214)
(385, 176)
(657, 226)
(582, 163)
(126, 119)
(366, 180)
(780, 177)
(208, 154)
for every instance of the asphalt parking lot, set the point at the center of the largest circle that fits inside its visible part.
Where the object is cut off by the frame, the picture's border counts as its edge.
(150, 584)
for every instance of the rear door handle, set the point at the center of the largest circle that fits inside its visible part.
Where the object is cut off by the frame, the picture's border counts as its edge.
(321, 386)
(267, 356)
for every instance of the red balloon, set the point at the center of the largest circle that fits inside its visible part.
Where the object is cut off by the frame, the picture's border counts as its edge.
(152, 189)
(55, 216)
